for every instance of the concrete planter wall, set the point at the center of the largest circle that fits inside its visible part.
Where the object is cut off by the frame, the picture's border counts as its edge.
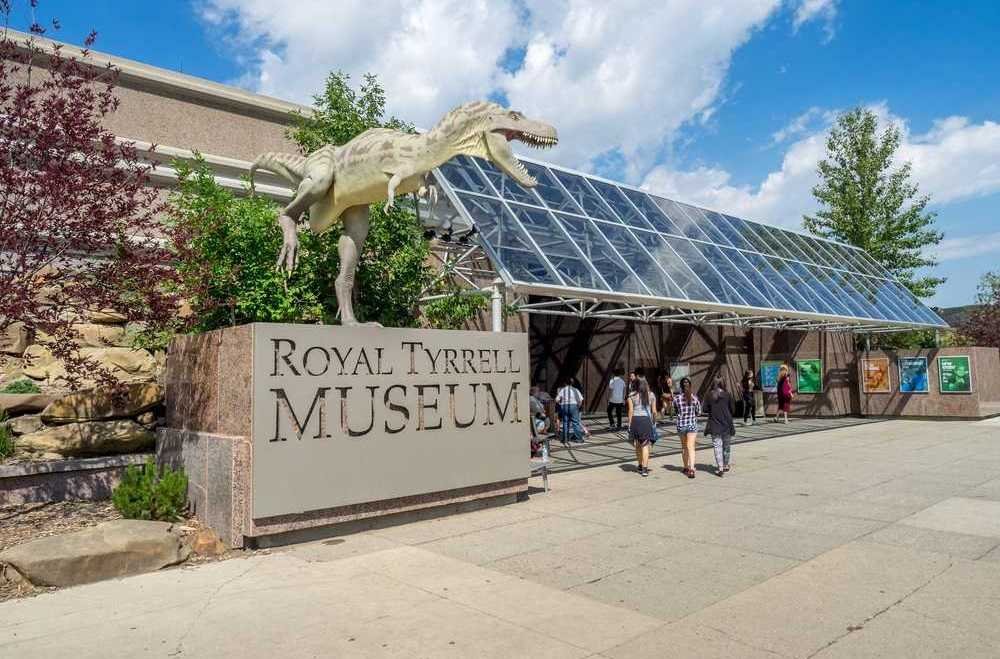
(85, 479)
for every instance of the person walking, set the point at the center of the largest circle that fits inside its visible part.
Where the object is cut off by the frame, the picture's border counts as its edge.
(688, 407)
(719, 408)
(666, 396)
(578, 415)
(746, 393)
(569, 399)
(616, 399)
(785, 394)
(641, 420)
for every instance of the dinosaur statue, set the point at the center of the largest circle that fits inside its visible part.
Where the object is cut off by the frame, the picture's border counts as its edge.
(338, 182)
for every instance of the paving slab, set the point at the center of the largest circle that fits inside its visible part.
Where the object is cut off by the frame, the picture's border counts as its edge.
(960, 515)
(960, 545)
(800, 611)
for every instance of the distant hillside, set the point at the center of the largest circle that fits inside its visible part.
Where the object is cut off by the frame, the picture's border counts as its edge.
(955, 316)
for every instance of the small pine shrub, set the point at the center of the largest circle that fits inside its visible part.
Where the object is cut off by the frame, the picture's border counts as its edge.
(6, 438)
(146, 494)
(23, 386)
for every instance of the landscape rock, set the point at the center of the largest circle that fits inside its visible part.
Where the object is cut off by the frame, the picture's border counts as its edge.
(100, 404)
(127, 364)
(91, 438)
(15, 339)
(93, 335)
(131, 361)
(207, 543)
(17, 404)
(38, 361)
(106, 317)
(146, 418)
(113, 549)
(22, 425)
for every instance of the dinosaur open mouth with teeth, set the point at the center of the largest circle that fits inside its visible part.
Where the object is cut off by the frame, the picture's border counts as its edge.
(498, 144)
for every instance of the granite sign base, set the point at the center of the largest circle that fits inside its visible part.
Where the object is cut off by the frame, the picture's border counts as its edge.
(273, 447)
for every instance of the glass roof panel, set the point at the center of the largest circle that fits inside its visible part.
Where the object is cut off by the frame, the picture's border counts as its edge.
(884, 298)
(601, 254)
(854, 297)
(638, 259)
(723, 290)
(758, 243)
(550, 191)
(797, 300)
(674, 266)
(772, 242)
(708, 221)
(747, 291)
(799, 278)
(586, 198)
(620, 205)
(558, 248)
(507, 187)
(463, 175)
(674, 211)
(820, 280)
(507, 240)
(728, 225)
(653, 214)
(758, 279)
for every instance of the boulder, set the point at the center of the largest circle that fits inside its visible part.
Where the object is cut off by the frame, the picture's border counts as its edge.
(106, 317)
(16, 404)
(129, 360)
(146, 418)
(207, 543)
(125, 363)
(38, 361)
(91, 438)
(100, 404)
(22, 425)
(15, 339)
(112, 549)
(93, 335)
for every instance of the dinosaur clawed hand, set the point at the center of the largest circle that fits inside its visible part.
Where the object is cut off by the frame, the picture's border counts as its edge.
(428, 192)
(389, 205)
(288, 257)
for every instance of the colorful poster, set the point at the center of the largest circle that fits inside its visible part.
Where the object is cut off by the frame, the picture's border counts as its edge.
(769, 376)
(955, 374)
(913, 375)
(679, 370)
(809, 376)
(875, 376)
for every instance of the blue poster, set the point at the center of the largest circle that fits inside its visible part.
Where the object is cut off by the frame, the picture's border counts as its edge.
(913, 375)
(769, 376)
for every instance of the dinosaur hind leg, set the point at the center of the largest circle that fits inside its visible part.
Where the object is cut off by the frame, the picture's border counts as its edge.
(352, 241)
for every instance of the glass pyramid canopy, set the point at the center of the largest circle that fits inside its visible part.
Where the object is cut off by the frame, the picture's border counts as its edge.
(581, 236)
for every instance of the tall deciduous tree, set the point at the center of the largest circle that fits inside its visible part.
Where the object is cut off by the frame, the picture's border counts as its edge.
(982, 326)
(77, 216)
(869, 200)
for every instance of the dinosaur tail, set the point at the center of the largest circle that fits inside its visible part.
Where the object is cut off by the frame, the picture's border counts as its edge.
(288, 166)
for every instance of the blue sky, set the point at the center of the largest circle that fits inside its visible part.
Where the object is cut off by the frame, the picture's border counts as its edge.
(724, 108)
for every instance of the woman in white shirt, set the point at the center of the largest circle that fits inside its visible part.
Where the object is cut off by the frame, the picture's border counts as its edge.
(641, 417)
(569, 399)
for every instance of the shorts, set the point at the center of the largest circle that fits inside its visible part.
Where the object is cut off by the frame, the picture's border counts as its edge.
(683, 430)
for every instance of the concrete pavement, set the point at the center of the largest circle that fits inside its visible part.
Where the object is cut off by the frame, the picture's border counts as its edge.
(877, 540)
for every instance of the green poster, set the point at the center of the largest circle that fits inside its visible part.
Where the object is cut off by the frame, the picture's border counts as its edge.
(809, 373)
(955, 375)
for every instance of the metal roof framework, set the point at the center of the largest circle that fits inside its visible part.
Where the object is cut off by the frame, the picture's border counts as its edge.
(582, 246)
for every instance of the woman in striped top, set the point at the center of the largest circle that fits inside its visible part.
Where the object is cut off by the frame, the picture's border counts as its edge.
(688, 408)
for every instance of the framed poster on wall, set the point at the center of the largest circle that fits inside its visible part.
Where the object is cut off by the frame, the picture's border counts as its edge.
(809, 376)
(769, 376)
(913, 375)
(955, 374)
(678, 371)
(875, 376)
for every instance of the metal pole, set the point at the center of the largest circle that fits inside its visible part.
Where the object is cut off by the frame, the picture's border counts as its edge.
(497, 303)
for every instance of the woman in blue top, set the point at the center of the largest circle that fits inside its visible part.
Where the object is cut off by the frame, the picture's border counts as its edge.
(688, 408)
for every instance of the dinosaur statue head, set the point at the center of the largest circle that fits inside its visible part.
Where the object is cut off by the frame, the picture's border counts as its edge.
(486, 130)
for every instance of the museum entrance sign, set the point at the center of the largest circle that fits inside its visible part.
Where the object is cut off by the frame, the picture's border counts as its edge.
(282, 428)
(347, 415)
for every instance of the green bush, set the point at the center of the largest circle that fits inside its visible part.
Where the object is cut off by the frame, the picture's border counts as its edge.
(6, 438)
(22, 386)
(146, 494)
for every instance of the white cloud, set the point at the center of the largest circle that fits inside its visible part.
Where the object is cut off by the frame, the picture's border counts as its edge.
(620, 77)
(952, 249)
(810, 10)
(954, 160)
